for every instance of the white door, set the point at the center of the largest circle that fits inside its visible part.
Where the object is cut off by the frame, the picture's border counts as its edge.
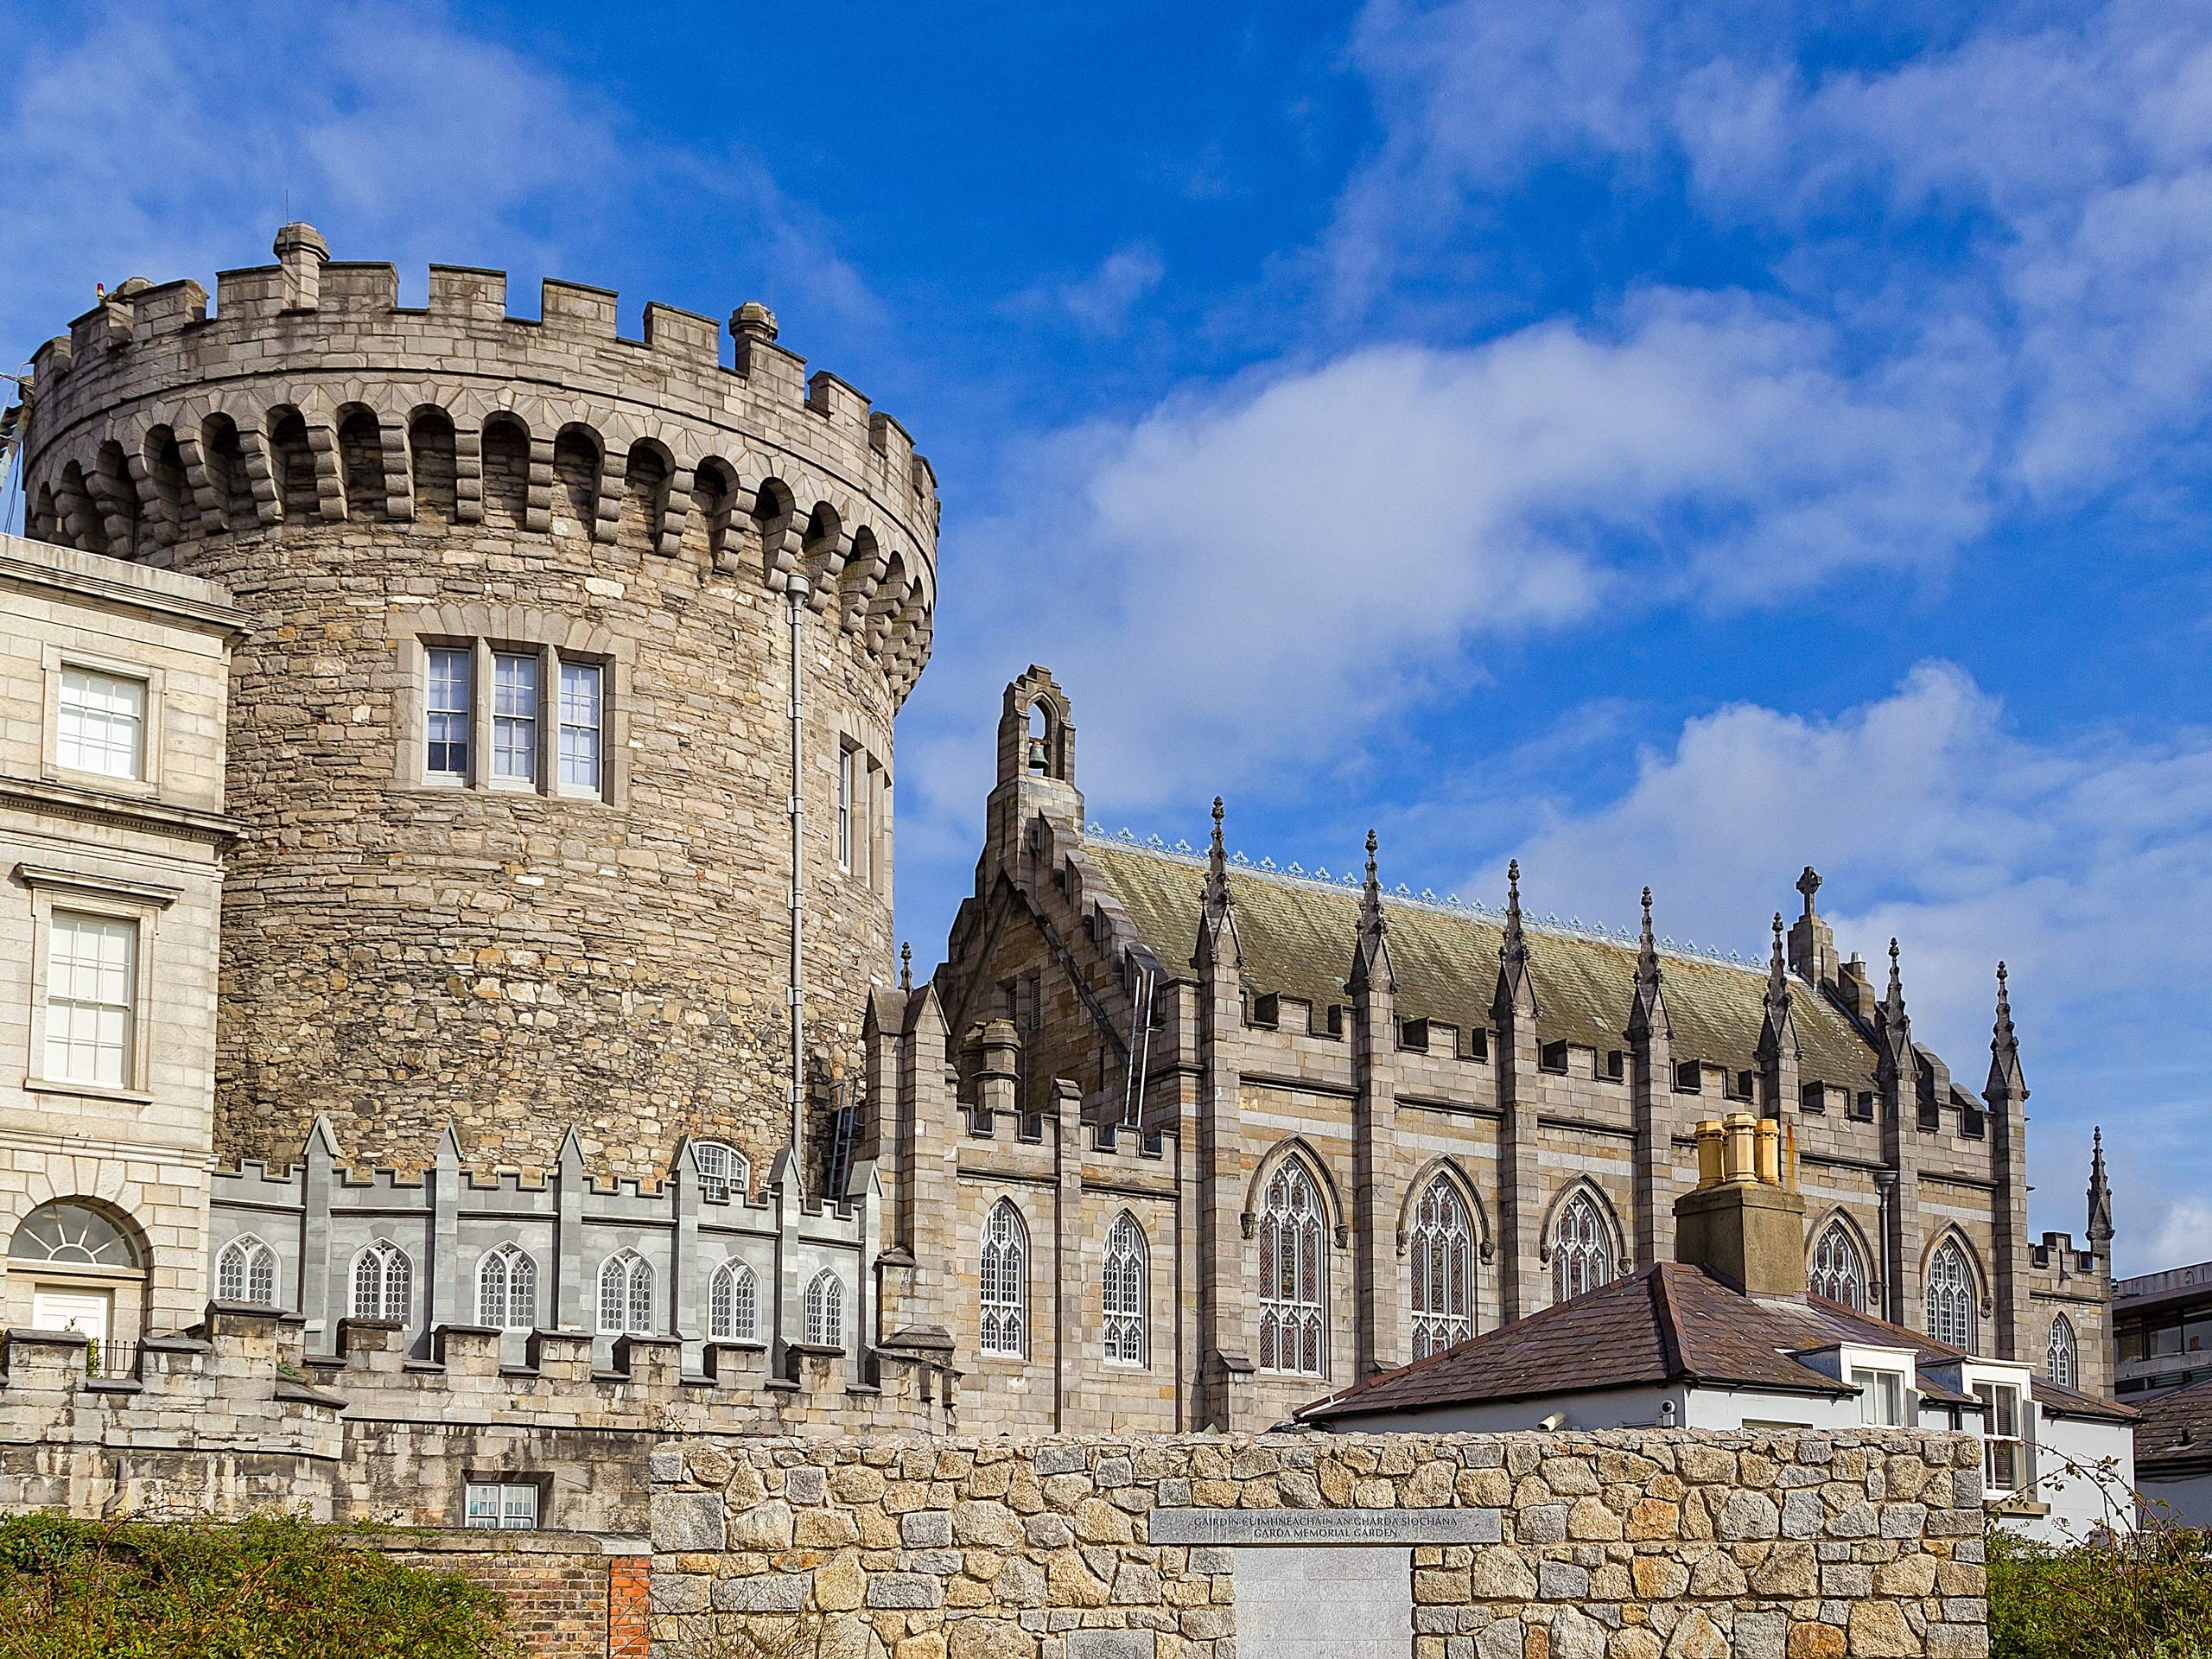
(85, 1312)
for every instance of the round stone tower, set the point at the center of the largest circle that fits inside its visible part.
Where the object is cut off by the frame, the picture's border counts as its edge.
(513, 735)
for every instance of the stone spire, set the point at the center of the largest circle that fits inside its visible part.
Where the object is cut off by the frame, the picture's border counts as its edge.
(1217, 939)
(2005, 1079)
(1649, 1012)
(1516, 988)
(906, 966)
(1781, 1033)
(1370, 962)
(2099, 1191)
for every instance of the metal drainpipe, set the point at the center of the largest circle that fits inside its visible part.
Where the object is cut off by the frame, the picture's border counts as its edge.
(795, 593)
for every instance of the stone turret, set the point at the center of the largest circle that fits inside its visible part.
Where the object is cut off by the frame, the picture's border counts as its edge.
(512, 734)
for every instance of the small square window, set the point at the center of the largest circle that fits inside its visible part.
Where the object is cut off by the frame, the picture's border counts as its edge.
(510, 1505)
(448, 711)
(101, 724)
(514, 716)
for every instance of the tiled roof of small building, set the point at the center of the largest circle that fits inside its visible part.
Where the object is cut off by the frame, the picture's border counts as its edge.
(1297, 938)
(2177, 1427)
(1667, 1324)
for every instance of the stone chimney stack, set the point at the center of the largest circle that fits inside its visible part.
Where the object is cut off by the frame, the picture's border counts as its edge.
(1745, 1220)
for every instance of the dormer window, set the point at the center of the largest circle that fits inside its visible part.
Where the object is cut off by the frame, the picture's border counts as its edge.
(2004, 1447)
(1881, 1398)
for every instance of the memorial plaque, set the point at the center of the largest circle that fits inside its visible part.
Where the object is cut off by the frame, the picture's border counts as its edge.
(1292, 1528)
(1331, 1601)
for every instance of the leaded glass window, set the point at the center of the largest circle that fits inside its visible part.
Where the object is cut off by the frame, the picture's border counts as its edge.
(1839, 1268)
(625, 1295)
(2064, 1361)
(1005, 1270)
(1442, 1262)
(1293, 1274)
(732, 1304)
(1950, 1296)
(1122, 1301)
(381, 1279)
(245, 1271)
(507, 1289)
(1582, 1248)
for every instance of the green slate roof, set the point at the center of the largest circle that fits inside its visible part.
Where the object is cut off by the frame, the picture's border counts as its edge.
(1297, 935)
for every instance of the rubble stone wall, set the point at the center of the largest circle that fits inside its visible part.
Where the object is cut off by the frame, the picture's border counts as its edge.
(1658, 1544)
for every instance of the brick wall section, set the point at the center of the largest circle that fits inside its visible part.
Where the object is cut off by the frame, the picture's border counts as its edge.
(569, 1595)
(1623, 1545)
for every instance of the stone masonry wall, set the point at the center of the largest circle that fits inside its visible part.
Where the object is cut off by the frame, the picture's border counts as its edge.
(1652, 1544)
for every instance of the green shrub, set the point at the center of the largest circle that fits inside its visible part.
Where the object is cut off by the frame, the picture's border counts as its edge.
(2147, 1595)
(266, 1588)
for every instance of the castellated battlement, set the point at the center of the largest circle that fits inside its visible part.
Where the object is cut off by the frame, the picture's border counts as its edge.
(312, 393)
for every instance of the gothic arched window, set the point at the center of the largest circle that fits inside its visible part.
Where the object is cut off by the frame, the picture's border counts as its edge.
(825, 1310)
(2064, 1359)
(246, 1272)
(1951, 1296)
(382, 1277)
(1005, 1281)
(1839, 1268)
(1293, 1274)
(1582, 1248)
(1443, 1253)
(507, 1289)
(732, 1304)
(625, 1295)
(1123, 1301)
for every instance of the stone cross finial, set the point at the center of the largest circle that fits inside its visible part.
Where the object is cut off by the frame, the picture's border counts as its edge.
(1809, 884)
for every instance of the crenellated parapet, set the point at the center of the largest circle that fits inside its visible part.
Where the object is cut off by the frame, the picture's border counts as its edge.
(310, 394)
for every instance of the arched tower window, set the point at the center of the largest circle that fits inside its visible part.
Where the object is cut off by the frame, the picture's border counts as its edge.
(1005, 1282)
(732, 1304)
(1951, 1296)
(507, 1289)
(245, 1271)
(432, 452)
(1839, 1268)
(1123, 1301)
(1293, 1274)
(722, 1169)
(825, 1310)
(1582, 1248)
(1443, 1263)
(625, 1295)
(381, 1279)
(2063, 1361)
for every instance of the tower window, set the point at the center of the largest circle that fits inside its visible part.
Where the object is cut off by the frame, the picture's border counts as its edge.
(580, 725)
(449, 713)
(848, 769)
(514, 716)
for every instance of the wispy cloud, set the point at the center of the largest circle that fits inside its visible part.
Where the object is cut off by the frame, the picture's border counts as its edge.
(1102, 300)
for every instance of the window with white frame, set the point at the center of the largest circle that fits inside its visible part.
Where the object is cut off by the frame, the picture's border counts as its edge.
(100, 724)
(449, 709)
(1881, 1397)
(245, 1271)
(509, 1504)
(2062, 1360)
(507, 1289)
(734, 1304)
(1582, 1248)
(723, 1170)
(848, 776)
(825, 1310)
(1293, 1274)
(1950, 1296)
(625, 1295)
(1124, 1288)
(514, 716)
(582, 704)
(1005, 1272)
(1839, 1268)
(382, 1277)
(1442, 1252)
(91, 985)
(2003, 1437)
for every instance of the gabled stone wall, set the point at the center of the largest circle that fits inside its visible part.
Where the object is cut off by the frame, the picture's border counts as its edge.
(1655, 1544)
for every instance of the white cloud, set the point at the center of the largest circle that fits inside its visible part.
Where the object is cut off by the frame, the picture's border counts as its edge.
(146, 144)
(1099, 302)
(2183, 1235)
(2086, 865)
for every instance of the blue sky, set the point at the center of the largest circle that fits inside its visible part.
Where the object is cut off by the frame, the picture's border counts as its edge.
(1668, 444)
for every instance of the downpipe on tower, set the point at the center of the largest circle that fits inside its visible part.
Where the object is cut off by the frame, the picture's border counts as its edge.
(795, 594)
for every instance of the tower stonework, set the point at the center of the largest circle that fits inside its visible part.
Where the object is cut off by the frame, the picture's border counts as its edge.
(511, 737)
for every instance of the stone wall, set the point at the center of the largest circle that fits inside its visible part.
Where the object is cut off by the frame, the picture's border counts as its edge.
(1628, 1545)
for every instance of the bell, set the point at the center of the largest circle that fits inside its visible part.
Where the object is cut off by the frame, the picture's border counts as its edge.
(1037, 761)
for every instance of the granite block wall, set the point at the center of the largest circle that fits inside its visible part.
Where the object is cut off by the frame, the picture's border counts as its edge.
(1658, 1544)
